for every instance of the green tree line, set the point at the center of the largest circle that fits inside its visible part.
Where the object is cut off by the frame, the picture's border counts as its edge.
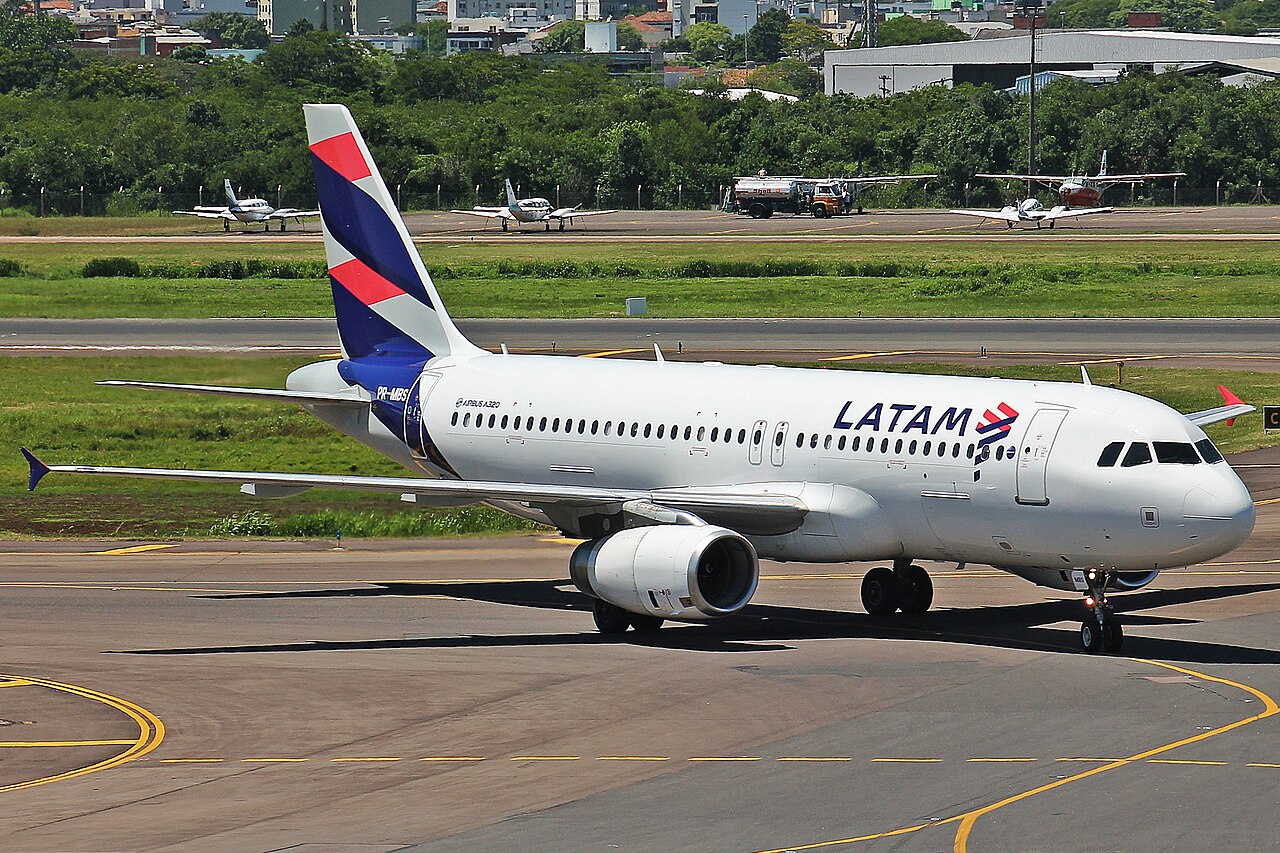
(68, 121)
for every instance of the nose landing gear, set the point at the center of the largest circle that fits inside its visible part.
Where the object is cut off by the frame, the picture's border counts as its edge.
(1101, 630)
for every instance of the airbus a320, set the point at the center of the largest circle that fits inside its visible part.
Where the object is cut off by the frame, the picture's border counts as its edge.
(680, 477)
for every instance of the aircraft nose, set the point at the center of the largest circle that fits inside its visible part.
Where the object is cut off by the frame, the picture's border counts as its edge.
(1223, 509)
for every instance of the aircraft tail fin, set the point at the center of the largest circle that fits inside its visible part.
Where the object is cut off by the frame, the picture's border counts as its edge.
(512, 201)
(231, 194)
(385, 302)
(1102, 173)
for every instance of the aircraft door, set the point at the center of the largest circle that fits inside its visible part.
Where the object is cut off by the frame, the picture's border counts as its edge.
(779, 443)
(413, 419)
(1033, 456)
(756, 452)
(426, 383)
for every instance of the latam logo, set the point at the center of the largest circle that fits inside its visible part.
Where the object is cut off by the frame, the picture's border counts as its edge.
(994, 426)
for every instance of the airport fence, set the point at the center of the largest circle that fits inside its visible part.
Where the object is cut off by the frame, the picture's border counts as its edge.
(132, 202)
(413, 197)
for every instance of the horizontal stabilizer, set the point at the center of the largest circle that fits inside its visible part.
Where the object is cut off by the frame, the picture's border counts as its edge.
(278, 395)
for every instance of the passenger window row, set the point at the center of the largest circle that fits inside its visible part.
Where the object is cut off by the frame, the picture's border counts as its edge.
(581, 426)
(1166, 453)
(900, 446)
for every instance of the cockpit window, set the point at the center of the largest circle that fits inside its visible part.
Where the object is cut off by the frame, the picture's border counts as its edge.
(1208, 451)
(1139, 454)
(1176, 453)
(1110, 454)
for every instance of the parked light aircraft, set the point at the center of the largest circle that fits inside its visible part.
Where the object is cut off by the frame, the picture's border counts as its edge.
(247, 210)
(1031, 210)
(1085, 190)
(525, 210)
(680, 477)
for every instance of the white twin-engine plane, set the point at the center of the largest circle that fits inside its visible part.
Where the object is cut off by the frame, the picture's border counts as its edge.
(527, 210)
(680, 476)
(247, 210)
(1031, 210)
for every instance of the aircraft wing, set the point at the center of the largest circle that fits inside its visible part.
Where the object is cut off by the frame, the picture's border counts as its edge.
(1050, 215)
(758, 509)
(290, 213)
(1047, 179)
(990, 214)
(574, 213)
(887, 179)
(487, 212)
(1221, 413)
(1233, 408)
(277, 395)
(215, 213)
(1137, 179)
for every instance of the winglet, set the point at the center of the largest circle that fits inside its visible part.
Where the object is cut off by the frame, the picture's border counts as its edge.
(38, 469)
(1084, 375)
(1230, 399)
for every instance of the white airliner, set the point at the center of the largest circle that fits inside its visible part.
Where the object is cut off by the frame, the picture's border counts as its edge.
(1031, 210)
(247, 210)
(526, 210)
(680, 476)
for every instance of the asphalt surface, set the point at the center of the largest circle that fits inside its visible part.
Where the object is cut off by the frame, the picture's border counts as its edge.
(1263, 221)
(1252, 344)
(451, 695)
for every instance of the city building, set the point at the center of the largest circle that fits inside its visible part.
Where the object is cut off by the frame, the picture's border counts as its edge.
(603, 10)
(356, 17)
(999, 57)
(547, 10)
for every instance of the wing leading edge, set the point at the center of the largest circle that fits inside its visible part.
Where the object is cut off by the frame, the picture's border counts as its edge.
(772, 510)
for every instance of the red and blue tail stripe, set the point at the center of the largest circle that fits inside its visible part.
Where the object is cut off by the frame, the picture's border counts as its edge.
(383, 298)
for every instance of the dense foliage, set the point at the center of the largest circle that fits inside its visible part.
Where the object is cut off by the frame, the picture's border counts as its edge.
(473, 120)
(906, 29)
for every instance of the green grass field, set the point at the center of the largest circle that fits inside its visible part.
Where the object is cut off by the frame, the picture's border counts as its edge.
(947, 279)
(51, 405)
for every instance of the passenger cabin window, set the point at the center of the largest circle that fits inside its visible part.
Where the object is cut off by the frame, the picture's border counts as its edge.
(1175, 453)
(1110, 454)
(1139, 454)
(1208, 451)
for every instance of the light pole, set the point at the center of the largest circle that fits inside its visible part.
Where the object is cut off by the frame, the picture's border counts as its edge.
(746, 51)
(1031, 8)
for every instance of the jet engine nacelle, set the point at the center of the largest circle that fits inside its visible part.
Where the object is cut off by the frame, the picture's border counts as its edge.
(1126, 581)
(678, 571)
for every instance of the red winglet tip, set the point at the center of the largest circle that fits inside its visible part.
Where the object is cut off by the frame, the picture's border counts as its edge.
(1227, 396)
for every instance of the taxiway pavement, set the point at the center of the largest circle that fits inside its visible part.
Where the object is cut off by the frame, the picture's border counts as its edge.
(452, 695)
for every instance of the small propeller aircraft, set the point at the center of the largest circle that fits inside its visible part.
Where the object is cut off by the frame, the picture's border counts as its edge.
(527, 210)
(247, 210)
(1031, 210)
(1085, 190)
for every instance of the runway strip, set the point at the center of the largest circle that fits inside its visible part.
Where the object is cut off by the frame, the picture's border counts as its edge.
(1251, 342)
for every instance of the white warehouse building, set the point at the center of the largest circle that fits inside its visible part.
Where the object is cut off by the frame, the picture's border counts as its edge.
(1000, 57)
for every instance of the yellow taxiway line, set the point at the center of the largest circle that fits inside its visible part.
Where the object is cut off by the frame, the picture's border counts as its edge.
(150, 732)
(967, 820)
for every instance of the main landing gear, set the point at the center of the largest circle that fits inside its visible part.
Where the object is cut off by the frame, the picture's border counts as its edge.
(1101, 630)
(611, 619)
(905, 587)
